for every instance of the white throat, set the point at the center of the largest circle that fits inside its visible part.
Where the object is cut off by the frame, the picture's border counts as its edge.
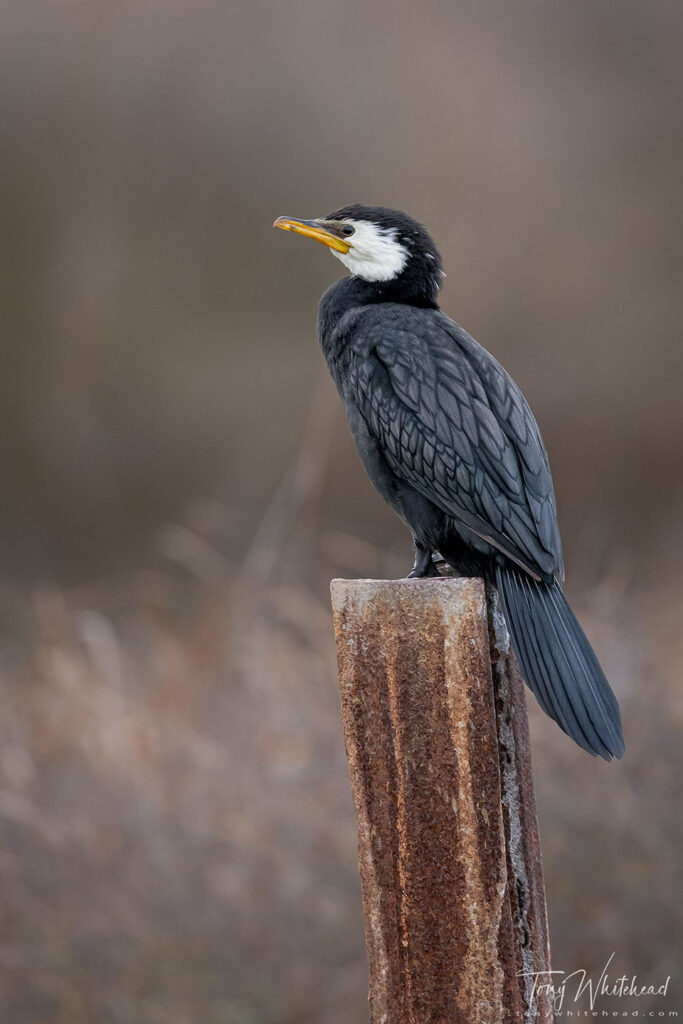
(375, 253)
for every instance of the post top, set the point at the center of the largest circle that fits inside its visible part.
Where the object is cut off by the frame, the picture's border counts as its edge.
(429, 587)
(445, 595)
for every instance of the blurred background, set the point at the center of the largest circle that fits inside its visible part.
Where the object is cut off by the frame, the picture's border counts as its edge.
(179, 484)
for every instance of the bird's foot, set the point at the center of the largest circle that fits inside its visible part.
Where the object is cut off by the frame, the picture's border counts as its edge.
(424, 566)
(416, 574)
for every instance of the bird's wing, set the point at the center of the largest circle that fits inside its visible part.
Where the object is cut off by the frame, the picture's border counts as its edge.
(453, 424)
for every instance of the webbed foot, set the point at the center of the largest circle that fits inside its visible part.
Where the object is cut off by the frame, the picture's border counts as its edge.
(424, 565)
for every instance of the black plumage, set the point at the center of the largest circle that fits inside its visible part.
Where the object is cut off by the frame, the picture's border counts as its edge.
(448, 439)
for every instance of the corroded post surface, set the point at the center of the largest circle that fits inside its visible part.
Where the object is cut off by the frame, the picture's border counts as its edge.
(437, 746)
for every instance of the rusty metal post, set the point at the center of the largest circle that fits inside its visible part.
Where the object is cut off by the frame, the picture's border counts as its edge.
(438, 751)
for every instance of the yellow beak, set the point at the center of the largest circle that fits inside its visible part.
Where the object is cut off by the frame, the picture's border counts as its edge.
(315, 230)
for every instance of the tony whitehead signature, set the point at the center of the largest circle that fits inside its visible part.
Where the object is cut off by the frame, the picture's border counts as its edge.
(559, 985)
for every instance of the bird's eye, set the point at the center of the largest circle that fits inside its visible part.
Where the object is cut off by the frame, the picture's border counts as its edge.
(348, 229)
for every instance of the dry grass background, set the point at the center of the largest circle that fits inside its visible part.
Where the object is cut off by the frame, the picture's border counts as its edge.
(176, 835)
(178, 842)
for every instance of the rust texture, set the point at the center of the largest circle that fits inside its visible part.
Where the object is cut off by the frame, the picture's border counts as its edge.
(448, 845)
(524, 864)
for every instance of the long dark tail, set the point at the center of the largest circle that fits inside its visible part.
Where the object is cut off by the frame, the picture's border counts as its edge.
(558, 664)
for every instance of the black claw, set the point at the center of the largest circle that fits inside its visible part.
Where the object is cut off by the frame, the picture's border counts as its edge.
(415, 574)
(424, 565)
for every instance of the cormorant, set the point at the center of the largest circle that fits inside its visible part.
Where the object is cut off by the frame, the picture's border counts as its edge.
(449, 441)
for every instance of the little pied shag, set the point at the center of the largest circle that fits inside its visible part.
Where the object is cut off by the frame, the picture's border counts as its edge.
(449, 441)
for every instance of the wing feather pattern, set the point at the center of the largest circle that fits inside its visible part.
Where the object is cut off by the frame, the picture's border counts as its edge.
(453, 424)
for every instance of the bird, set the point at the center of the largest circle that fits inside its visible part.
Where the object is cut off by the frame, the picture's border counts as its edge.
(449, 441)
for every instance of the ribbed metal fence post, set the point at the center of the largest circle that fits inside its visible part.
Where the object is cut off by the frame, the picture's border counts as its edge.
(437, 742)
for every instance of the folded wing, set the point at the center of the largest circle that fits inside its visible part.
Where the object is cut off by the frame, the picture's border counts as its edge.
(454, 425)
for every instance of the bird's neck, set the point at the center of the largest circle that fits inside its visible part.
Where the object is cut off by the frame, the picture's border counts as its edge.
(354, 292)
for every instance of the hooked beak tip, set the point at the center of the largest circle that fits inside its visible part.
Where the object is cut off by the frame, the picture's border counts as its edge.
(315, 230)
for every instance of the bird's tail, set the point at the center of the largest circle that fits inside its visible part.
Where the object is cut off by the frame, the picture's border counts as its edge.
(558, 664)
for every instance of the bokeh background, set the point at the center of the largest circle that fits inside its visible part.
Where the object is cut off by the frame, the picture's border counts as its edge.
(177, 840)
